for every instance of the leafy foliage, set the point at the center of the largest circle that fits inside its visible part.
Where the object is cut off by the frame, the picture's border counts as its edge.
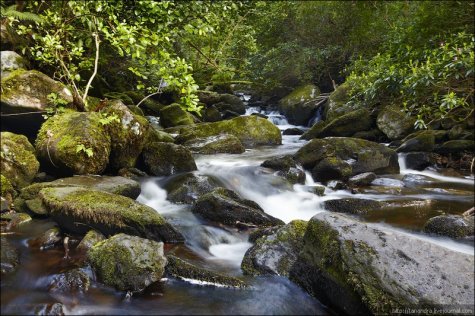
(88, 151)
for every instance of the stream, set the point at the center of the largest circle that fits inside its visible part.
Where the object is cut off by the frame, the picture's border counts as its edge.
(413, 197)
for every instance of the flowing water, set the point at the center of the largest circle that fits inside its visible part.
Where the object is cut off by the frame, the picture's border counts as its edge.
(412, 197)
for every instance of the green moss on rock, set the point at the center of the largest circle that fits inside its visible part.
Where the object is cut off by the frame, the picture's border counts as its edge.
(394, 123)
(229, 144)
(250, 130)
(128, 263)
(298, 106)
(17, 159)
(174, 115)
(164, 159)
(78, 210)
(59, 137)
(6, 186)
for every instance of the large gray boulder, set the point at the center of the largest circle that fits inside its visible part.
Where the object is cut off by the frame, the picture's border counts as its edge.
(10, 61)
(78, 210)
(358, 268)
(17, 158)
(250, 130)
(128, 263)
(299, 106)
(226, 207)
(338, 158)
(275, 253)
(394, 123)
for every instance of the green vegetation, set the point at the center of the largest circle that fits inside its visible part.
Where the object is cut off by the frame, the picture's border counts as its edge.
(416, 56)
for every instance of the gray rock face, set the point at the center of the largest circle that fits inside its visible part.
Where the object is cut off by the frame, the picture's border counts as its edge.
(454, 226)
(128, 262)
(359, 268)
(10, 61)
(187, 188)
(164, 159)
(275, 253)
(92, 237)
(362, 179)
(78, 210)
(224, 206)
(72, 282)
(394, 123)
(286, 168)
(338, 158)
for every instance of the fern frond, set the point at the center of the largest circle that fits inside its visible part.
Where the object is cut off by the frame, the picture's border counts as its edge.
(22, 16)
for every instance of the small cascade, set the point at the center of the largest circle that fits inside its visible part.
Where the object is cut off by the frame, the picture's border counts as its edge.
(317, 117)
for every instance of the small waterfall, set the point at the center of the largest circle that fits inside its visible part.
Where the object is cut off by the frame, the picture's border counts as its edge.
(317, 117)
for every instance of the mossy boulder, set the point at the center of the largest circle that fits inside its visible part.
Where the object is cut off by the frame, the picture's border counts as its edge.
(15, 219)
(128, 134)
(61, 138)
(156, 135)
(78, 210)
(164, 159)
(70, 283)
(183, 269)
(7, 194)
(422, 141)
(286, 168)
(187, 188)
(128, 263)
(211, 114)
(226, 207)
(250, 130)
(27, 91)
(174, 115)
(394, 123)
(11, 61)
(455, 146)
(338, 103)
(345, 125)
(359, 268)
(454, 226)
(353, 206)
(18, 162)
(208, 97)
(275, 253)
(228, 144)
(229, 102)
(10, 257)
(29, 201)
(90, 239)
(338, 158)
(299, 106)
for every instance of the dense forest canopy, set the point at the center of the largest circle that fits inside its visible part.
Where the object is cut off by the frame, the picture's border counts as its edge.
(416, 55)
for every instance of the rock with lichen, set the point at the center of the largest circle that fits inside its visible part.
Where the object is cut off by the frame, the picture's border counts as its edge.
(128, 263)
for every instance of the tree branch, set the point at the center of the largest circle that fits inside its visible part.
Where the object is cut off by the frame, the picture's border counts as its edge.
(96, 62)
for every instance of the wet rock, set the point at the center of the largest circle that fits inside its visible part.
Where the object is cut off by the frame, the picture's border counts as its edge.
(292, 131)
(299, 106)
(337, 104)
(388, 182)
(237, 107)
(345, 125)
(224, 206)
(29, 201)
(18, 162)
(187, 188)
(455, 146)
(262, 232)
(15, 219)
(293, 175)
(418, 160)
(227, 115)
(453, 226)
(10, 257)
(211, 114)
(47, 240)
(208, 97)
(164, 159)
(353, 206)
(156, 135)
(337, 185)
(128, 133)
(424, 141)
(229, 144)
(78, 210)
(374, 135)
(416, 180)
(72, 282)
(287, 168)
(319, 190)
(128, 263)
(55, 309)
(339, 158)
(358, 268)
(60, 137)
(182, 269)
(131, 173)
(90, 239)
(276, 253)
(394, 123)
(174, 115)
(362, 179)
(10, 61)
(260, 115)
(251, 131)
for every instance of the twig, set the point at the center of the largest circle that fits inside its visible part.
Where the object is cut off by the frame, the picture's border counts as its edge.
(148, 96)
(96, 62)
